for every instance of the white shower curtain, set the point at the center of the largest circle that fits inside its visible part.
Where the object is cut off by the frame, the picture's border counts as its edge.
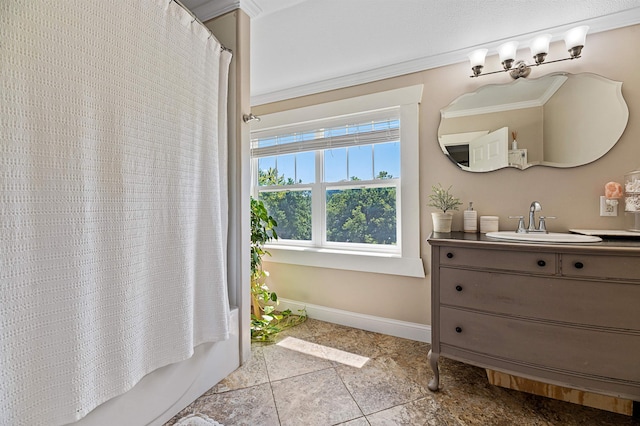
(113, 199)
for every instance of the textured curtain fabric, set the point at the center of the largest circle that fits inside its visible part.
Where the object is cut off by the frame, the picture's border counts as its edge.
(113, 200)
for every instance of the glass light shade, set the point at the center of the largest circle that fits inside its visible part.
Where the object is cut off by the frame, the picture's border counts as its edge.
(540, 45)
(477, 57)
(576, 37)
(507, 50)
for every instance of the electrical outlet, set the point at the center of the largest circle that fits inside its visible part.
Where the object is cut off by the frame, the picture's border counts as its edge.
(608, 208)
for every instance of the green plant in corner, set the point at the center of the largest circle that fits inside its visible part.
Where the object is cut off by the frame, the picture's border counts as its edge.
(441, 199)
(266, 322)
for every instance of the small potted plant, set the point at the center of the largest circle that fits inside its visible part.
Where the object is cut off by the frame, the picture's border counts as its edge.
(441, 199)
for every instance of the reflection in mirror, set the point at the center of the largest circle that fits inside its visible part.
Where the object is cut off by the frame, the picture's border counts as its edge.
(559, 120)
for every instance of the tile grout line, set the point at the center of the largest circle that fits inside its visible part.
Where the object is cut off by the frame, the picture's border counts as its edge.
(351, 395)
(275, 404)
(273, 395)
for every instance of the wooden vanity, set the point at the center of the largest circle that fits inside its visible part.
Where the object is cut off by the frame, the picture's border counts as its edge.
(564, 314)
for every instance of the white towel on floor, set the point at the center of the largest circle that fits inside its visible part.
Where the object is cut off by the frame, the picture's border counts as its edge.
(197, 420)
(112, 200)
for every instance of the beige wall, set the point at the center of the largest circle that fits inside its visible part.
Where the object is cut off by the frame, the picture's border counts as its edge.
(570, 194)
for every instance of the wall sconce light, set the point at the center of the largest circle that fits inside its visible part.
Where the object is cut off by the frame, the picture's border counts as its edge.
(574, 40)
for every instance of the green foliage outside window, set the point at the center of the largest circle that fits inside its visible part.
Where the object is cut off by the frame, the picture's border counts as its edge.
(359, 215)
(290, 209)
(366, 215)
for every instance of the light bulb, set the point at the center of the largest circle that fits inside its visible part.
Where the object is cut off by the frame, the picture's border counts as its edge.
(540, 47)
(507, 52)
(477, 60)
(574, 40)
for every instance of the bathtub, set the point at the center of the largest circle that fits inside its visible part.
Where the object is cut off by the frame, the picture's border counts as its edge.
(161, 394)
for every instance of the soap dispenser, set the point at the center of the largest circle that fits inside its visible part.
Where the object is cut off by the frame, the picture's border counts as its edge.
(470, 219)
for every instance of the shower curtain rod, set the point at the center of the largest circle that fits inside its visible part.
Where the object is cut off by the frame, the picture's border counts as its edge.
(195, 18)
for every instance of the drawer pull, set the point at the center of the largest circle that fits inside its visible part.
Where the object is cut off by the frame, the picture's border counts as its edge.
(579, 265)
(542, 263)
(458, 329)
(450, 255)
(458, 288)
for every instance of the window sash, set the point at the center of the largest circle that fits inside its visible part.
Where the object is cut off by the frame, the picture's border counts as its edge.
(373, 184)
(319, 214)
(289, 190)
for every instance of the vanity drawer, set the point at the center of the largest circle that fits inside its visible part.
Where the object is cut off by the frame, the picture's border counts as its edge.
(611, 267)
(580, 350)
(521, 261)
(603, 304)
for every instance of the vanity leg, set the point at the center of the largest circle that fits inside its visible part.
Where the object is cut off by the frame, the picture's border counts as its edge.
(433, 362)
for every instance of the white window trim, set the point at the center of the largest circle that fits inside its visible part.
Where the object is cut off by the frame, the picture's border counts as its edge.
(406, 263)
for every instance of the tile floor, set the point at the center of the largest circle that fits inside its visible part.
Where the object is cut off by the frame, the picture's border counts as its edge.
(325, 374)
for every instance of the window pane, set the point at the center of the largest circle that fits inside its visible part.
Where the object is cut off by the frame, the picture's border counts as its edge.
(292, 212)
(335, 165)
(286, 166)
(365, 215)
(386, 160)
(305, 167)
(267, 171)
(360, 167)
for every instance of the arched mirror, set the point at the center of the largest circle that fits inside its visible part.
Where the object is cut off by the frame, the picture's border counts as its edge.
(559, 120)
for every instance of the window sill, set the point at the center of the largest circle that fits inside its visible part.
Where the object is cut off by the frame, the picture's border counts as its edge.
(380, 263)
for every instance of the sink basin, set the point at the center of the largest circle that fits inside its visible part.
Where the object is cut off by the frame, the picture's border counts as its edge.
(551, 237)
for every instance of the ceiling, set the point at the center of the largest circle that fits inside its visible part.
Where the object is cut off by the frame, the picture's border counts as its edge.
(299, 47)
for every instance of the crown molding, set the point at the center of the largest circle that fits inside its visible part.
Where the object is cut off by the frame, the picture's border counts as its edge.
(354, 79)
(602, 23)
(213, 9)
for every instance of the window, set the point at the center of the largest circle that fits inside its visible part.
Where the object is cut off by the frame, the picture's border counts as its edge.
(357, 182)
(341, 181)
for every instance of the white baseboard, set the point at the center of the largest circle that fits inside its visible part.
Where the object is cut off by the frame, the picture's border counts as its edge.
(404, 329)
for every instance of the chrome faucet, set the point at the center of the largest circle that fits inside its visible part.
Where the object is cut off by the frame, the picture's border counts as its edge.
(542, 226)
(535, 207)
